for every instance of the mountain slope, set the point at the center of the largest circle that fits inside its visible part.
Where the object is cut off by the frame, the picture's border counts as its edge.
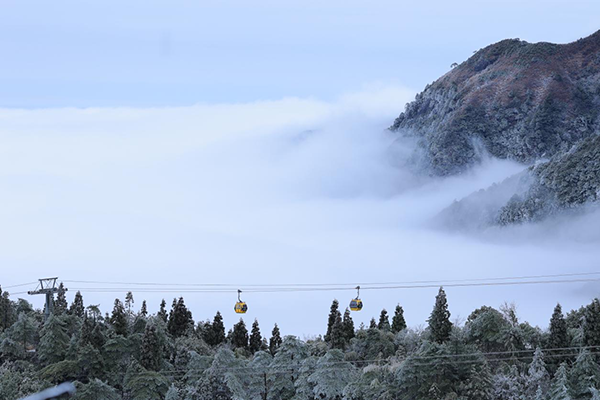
(512, 99)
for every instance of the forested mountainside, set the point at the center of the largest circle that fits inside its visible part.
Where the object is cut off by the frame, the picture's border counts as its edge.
(131, 354)
(566, 182)
(513, 99)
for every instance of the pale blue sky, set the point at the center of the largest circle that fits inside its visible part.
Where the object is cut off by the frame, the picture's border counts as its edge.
(150, 53)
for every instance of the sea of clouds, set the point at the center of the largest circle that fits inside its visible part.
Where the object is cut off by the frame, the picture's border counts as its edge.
(290, 191)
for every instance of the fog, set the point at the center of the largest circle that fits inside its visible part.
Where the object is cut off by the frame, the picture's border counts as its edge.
(289, 191)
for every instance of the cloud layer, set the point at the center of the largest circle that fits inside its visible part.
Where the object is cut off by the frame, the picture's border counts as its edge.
(289, 191)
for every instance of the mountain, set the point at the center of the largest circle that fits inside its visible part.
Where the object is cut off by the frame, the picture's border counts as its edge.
(513, 99)
(566, 182)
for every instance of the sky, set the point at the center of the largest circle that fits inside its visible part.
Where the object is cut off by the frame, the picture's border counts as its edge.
(246, 144)
(155, 53)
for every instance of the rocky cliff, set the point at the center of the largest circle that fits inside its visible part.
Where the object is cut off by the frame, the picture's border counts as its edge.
(513, 100)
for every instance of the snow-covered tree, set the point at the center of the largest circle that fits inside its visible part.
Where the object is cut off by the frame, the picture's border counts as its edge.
(439, 320)
(398, 321)
(559, 388)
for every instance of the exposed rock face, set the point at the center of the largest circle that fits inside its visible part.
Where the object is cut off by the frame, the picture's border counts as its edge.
(567, 181)
(513, 99)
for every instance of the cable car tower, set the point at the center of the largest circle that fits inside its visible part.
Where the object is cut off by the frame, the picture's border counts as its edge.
(48, 287)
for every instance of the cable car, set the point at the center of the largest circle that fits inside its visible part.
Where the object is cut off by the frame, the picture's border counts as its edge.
(240, 307)
(356, 304)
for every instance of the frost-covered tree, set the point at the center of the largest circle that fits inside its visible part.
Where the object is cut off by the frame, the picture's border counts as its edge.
(261, 378)
(559, 389)
(96, 390)
(239, 335)
(118, 319)
(584, 374)
(485, 328)
(479, 384)
(537, 375)
(439, 320)
(275, 340)
(255, 341)
(591, 327)
(507, 385)
(77, 308)
(141, 384)
(331, 375)
(60, 304)
(334, 323)
(398, 321)
(347, 326)
(180, 319)
(287, 362)
(54, 340)
(129, 302)
(558, 337)
(162, 312)
(150, 352)
(216, 334)
(384, 321)
(144, 309)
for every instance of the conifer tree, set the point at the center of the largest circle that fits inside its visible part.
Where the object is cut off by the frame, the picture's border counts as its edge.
(398, 322)
(372, 324)
(118, 319)
(585, 374)
(439, 321)
(337, 339)
(255, 343)
(129, 302)
(239, 336)
(144, 309)
(216, 333)
(77, 308)
(558, 330)
(60, 304)
(54, 340)
(94, 311)
(275, 340)
(559, 390)
(180, 320)
(347, 326)
(537, 374)
(591, 328)
(85, 335)
(384, 321)
(334, 315)
(479, 383)
(150, 352)
(162, 312)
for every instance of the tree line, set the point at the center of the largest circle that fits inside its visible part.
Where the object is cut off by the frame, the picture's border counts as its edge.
(133, 355)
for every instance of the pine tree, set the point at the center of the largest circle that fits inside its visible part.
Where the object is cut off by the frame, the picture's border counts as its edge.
(54, 340)
(537, 374)
(60, 304)
(559, 390)
(150, 354)
(347, 326)
(162, 312)
(372, 324)
(275, 340)
(129, 302)
(239, 336)
(384, 321)
(334, 315)
(398, 322)
(180, 319)
(585, 374)
(434, 393)
(591, 328)
(255, 338)
(559, 337)
(439, 321)
(479, 384)
(77, 308)
(144, 309)
(337, 338)
(216, 334)
(118, 319)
